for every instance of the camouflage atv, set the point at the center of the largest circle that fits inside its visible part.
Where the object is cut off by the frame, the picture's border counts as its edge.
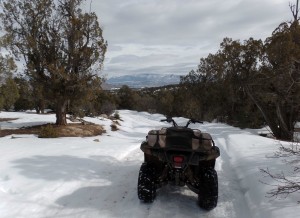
(180, 156)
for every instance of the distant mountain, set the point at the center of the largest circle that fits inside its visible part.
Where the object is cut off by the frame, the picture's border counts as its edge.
(144, 80)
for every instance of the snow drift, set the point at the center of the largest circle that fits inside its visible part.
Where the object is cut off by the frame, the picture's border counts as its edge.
(97, 176)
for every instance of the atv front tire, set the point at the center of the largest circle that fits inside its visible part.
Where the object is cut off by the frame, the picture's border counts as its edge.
(208, 189)
(146, 183)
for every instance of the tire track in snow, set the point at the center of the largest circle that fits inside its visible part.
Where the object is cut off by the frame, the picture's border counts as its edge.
(182, 202)
(231, 194)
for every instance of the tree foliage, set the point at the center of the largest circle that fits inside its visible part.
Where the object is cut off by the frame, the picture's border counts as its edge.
(217, 87)
(127, 98)
(281, 77)
(7, 67)
(8, 89)
(9, 94)
(26, 100)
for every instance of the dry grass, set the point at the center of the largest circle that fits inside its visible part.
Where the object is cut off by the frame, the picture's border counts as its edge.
(70, 130)
(7, 119)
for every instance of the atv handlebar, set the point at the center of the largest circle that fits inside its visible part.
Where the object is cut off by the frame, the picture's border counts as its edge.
(192, 121)
(170, 120)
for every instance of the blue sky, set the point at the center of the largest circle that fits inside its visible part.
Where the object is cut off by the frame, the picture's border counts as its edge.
(170, 36)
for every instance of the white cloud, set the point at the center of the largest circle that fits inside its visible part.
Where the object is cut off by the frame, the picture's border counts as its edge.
(158, 35)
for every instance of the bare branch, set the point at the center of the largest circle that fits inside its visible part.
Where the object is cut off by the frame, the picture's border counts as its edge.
(285, 185)
(295, 10)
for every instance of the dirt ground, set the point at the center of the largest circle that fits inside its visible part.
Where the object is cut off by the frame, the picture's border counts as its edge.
(7, 119)
(70, 130)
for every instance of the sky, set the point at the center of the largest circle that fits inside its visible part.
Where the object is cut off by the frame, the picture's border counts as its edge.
(170, 36)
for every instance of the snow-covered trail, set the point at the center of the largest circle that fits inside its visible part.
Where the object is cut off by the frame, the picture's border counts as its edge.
(80, 177)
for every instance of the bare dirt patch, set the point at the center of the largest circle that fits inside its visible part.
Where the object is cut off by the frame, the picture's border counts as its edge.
(7, 119)
(70, 130)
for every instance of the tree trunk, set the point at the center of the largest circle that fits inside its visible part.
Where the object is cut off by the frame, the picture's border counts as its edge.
(285, 127)
(269, 120)
(37, 109)
(42, 105)
(61, 112)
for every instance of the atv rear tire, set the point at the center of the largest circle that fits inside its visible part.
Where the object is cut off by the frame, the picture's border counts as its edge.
(208, 189)
(146, 183)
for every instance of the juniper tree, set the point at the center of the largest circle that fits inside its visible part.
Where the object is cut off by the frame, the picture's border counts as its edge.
(276, 88)
(62, 46)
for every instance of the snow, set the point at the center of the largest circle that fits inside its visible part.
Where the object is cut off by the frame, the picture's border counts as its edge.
(81, 177)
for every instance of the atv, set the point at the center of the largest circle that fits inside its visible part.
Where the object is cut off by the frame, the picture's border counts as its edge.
(179, 156)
